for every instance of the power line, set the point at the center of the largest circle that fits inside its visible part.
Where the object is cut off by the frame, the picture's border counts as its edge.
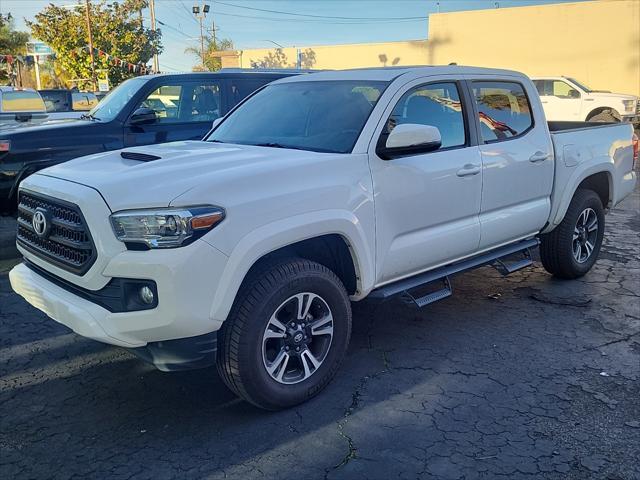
(172, 28)
(317, 21)
(318, 16)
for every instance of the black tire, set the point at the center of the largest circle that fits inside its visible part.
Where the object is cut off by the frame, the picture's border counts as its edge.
(606, 116)
(557, 246)
(240, 340)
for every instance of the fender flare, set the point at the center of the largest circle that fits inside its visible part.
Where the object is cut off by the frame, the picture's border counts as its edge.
(572, 186)
(601, 109)
(281, 233)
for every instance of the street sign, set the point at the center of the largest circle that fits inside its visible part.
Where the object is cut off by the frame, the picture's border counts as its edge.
(103, 80)
(38, 48)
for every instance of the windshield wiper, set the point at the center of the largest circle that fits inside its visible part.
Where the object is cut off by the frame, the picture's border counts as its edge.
(89, 116)
(279, 145)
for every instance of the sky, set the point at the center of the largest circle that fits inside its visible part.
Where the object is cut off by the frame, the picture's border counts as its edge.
(297, 23)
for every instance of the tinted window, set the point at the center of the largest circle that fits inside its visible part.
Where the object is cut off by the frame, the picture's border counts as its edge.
(242, 87)
(22, 101)
(323, 116)
(56, 101)
(503, 108)
(165, 101)
(436, 104)
(185, 103)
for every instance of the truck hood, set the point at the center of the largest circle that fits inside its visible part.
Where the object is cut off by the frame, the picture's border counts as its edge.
(125, 183)
(8, 125)
(612, 96)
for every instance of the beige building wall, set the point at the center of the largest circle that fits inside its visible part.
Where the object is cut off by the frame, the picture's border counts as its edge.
(597, 42)
(336, 56)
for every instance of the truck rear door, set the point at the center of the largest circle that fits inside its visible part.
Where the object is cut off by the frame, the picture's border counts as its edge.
(517, 160)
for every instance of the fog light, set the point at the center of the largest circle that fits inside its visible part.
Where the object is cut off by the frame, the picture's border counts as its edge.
(146, 295)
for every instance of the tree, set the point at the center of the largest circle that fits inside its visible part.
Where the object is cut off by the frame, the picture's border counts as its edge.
(278, 59)
(211, 63)
(12, 42)
(117, 30)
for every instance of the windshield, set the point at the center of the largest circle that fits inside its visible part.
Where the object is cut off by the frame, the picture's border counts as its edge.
(580, 84)
(322, 116)
(112, 104)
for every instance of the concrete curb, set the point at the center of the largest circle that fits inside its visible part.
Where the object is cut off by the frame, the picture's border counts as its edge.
(8, 248)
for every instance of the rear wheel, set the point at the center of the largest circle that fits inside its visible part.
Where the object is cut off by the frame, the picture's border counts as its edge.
(570, 250)
(286, 335)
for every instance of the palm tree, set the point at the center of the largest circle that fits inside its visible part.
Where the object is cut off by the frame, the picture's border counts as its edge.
(211, 63)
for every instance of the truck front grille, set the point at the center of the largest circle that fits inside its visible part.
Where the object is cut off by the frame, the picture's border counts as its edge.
(59, 235)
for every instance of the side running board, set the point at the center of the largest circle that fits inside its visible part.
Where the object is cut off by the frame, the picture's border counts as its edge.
(496, 258)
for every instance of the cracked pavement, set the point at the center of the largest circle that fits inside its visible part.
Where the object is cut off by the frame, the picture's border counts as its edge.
(517, 377)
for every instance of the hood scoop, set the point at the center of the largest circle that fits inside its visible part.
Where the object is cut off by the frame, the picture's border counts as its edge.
(140, 157)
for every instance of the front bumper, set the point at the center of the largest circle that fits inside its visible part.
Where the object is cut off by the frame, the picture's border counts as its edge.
(186, 279)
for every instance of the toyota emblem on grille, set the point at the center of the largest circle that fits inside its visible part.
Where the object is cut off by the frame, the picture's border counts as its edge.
(40, 222)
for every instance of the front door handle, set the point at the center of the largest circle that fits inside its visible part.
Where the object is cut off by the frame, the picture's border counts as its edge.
(468, 169)
(539, 157)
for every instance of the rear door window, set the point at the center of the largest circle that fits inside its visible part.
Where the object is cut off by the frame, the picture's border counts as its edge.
(243, 87)
(504, 110)
(56, 101)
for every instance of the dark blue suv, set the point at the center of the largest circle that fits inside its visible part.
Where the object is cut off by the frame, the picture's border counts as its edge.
(141, 111)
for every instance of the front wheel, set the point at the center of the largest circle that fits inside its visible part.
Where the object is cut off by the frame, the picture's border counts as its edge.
(286, 335)
(570, 250)
(606, 116)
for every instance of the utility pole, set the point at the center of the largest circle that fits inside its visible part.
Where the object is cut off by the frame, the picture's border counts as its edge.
(201, 13)
(93, 63)
(36, 62)
(152, 9)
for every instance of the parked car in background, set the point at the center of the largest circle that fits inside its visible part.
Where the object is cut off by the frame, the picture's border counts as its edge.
(20, 105)
(315, 191)
(100, 95)
(140, 111)
(62, 103)
(566, 99)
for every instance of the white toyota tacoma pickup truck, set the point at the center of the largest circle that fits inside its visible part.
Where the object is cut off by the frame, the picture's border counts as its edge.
(247, 248)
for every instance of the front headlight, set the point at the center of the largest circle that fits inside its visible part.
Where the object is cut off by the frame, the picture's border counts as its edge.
(629, 105)
(165, 227)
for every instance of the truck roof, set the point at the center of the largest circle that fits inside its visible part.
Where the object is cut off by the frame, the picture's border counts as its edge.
(231, 72)
(391, 73)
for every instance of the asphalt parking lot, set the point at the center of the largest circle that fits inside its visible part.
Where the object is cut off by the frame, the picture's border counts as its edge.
(523, 377)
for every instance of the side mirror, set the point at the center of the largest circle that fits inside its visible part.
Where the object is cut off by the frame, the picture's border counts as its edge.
(574, 93)
(143, 116)
(216, 122)
(408, 139)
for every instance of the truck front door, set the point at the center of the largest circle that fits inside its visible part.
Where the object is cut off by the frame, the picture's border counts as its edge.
(561, 101)
(184, 111)
(427, 204)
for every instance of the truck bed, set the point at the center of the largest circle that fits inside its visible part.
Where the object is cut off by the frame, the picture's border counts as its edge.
(574, 125)
(581, 148)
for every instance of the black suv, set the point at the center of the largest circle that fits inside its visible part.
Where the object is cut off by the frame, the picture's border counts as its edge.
(141, 111)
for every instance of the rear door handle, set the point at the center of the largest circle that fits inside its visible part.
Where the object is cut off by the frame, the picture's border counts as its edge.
(538, 157)
(468, 169)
